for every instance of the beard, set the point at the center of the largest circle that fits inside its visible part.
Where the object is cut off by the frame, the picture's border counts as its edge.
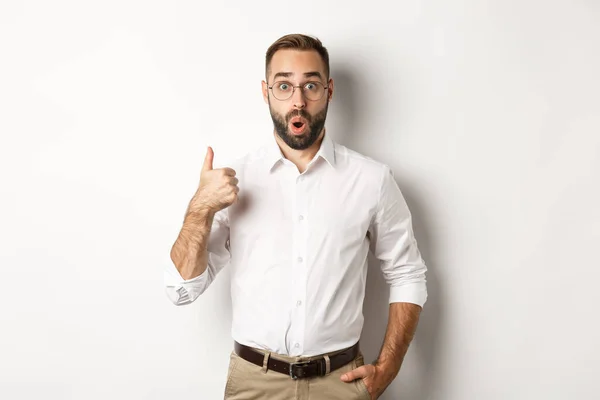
(309, 137)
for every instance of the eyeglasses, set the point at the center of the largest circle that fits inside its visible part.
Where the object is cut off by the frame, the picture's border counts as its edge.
(283, 90)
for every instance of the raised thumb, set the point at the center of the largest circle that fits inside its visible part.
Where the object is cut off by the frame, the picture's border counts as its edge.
(208, 160)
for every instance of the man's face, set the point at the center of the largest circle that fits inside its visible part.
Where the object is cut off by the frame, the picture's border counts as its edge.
(298, 120)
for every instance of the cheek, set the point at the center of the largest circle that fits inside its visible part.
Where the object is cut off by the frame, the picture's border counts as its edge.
(317, 108)
(277, 112)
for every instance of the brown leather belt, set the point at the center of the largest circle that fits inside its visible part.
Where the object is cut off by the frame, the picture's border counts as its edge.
(302, 369)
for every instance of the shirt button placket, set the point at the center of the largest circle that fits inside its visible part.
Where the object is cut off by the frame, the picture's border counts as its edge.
(301, 260)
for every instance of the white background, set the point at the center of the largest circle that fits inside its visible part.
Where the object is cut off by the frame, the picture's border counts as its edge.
(487, 111)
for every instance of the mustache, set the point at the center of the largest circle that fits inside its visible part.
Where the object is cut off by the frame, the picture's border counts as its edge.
(300, 113)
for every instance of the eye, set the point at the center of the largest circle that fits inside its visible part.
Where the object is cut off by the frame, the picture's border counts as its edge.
(283, 86)
(310, 86)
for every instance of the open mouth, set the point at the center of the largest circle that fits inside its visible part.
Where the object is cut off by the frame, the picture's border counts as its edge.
(298, 125)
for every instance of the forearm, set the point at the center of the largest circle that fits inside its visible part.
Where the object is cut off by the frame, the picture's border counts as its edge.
(189, 253)
(402, 325)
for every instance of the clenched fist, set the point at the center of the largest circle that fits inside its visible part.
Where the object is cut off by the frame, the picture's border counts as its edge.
(218, 187)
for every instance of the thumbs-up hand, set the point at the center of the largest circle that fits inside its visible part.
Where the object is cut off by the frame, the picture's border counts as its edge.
(218, 187)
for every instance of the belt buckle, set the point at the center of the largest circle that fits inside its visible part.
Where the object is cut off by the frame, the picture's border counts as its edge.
(292, 365)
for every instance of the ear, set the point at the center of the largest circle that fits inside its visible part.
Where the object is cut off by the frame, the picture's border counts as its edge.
(265, 92)
(330, 90)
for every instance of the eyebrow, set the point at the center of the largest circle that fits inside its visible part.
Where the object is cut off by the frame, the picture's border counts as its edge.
(306, 74)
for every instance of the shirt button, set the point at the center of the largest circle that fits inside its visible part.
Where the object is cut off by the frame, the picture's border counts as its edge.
(299, 259)
(301, 217)
(297, 345)
(298, 303)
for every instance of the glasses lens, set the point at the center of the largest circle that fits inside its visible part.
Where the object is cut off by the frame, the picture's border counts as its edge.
(313, 90)
(282, 90)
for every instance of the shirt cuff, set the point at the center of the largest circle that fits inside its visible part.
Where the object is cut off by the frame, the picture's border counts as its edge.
(181, 291)
(415, 293)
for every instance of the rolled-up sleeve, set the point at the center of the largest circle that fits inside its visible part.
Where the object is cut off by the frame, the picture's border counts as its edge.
(393, 242)
(182, 292)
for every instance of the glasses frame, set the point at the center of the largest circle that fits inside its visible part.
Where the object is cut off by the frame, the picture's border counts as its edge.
(325, 87)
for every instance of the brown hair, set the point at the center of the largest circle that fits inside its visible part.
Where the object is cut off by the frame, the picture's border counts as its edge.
(297, 41)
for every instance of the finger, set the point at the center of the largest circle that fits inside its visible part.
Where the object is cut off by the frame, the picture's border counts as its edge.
(208, 160)
(359, 372)
(229, 171)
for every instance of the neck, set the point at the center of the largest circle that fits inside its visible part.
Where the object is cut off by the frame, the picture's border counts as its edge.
(300, 158)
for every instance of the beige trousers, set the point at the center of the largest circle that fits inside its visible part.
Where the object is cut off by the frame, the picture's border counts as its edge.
(247, 381)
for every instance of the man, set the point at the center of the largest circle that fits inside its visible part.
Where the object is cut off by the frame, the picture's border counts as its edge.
(294, 222)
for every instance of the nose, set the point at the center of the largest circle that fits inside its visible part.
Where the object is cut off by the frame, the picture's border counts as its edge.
(298, 99)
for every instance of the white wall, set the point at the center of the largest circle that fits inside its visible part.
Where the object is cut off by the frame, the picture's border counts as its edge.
(488, 112)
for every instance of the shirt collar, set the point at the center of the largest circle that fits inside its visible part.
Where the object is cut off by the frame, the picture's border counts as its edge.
(326, 151)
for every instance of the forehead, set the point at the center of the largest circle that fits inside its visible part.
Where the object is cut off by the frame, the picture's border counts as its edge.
(297, 62)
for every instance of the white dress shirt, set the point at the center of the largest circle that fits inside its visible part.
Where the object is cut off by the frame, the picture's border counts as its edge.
(297, 248)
